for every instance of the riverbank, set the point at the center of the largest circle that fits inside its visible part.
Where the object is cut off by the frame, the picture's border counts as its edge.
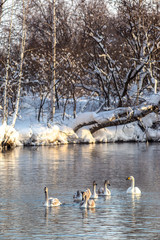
(37, 134)
(28, 131)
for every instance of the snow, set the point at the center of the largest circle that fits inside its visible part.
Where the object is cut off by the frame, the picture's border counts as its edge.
(28, 131)
(85, 136)
(122, 133)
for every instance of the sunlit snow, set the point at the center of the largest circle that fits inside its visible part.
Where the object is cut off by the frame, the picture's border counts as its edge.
(28, 131)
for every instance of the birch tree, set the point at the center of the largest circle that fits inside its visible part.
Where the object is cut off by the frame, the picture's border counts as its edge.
(24, 29)
(5, 111)
(53, 66)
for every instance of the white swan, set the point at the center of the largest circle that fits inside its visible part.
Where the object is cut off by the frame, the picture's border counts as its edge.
(88, 193)
(86, 202)
(104, 191)
(133, 189)
(50, 202)
(94, 195)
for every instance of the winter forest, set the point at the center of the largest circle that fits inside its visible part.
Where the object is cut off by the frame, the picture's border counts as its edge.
(79, 71)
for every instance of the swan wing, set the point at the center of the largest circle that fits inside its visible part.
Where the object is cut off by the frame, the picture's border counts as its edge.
(91, 204)
(54, 202)
(137, 190)
(129, 190)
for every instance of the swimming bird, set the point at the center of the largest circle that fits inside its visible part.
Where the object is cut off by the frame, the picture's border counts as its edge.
(83, 203)
(104, 191)
(133, 189)
(77, 197)
(88, 193)
(50, 202)
(94, 195)
(86, 202)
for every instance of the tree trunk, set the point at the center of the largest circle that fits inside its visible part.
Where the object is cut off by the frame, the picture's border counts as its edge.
(53, 91)
(5, 110)
(21, 63)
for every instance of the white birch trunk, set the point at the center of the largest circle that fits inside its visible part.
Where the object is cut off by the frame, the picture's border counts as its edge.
(53, 92)
(21, 64)
(5, 110)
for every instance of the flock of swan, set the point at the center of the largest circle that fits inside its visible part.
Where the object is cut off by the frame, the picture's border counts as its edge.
(86, 198)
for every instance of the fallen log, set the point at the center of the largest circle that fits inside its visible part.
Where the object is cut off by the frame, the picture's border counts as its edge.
(118, 116)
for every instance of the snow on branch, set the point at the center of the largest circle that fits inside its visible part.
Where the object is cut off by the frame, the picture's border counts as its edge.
(116, 117)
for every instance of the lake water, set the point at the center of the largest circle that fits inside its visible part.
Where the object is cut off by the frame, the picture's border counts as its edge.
(24, 172)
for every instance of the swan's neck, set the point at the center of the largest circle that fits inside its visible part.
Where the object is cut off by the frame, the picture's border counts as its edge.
(132, 183)
(84, 204)
(46, 197)
(105, 188)
(94, 189)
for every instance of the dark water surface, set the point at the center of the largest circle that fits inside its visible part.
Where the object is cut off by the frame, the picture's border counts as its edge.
(63, 169)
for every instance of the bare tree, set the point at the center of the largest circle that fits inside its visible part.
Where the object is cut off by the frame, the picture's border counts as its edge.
(53, 83)
(5, 111)
(138, 24)
(24, 29)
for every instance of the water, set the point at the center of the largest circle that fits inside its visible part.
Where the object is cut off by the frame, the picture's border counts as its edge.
(64, 169)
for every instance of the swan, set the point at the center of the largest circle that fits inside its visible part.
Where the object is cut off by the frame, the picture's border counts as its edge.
(50, 202)
(104, 191)
(86, 202)
(88, 193)
(83, 203)
(77, 197)
(94, 195)
(133, 189)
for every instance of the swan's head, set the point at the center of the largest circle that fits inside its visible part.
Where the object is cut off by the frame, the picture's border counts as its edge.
(45, 189)
(94, 183)
(130, 178)
(107, 182)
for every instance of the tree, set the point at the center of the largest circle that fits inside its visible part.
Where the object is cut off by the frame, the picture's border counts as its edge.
(41, 63)
(53, 83)
(21, 62)
(138, 24)
(5, 110)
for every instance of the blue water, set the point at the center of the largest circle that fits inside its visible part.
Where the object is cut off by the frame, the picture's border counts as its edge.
(24, 172)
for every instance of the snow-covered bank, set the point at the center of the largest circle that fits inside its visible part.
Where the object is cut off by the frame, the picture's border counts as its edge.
(37, 134)
(28, 131)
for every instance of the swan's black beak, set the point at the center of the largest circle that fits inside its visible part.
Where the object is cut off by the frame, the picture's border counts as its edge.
(127, 178)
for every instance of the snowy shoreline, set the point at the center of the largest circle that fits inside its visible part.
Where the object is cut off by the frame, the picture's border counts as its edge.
(39, 135)
(29, 132)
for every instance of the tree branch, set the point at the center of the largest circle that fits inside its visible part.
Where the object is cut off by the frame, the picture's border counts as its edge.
(115, 117)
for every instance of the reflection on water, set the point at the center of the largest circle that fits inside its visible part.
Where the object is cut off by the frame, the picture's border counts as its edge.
(64, 169)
